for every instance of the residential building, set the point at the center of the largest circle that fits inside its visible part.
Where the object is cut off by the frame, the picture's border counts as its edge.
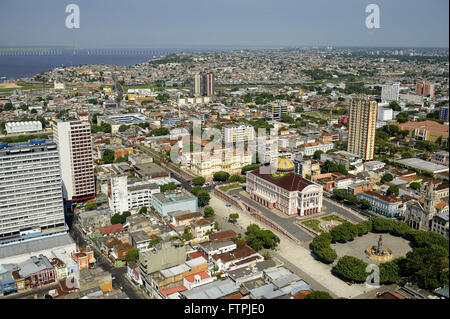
(441, 157)
(207, 88)
(307, 167)
(275, 109)
(130, 197)
(389, 206)
(425, 89)
(197, 85)
(75, 153)
(362, 127)
(343, 158)
(161, 256)
(31, 203)
(291, 193)
(439, 224)
(237, 258)
(229, 160)
(390, 92)
(310, 148)
(443, 113)
(238, 133)
(171, 201)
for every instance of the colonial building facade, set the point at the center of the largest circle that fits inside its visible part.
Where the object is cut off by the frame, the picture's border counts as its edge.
(290, 193)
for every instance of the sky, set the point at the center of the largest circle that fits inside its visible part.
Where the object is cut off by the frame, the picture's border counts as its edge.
(221, 23)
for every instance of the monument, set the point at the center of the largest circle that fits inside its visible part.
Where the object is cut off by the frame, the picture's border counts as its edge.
(379, 252)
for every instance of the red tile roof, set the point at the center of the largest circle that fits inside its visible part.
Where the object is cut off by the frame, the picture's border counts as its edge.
(169, 291)
(223, 235)
(241, 252)
(203, 275)
(197, 254)
(290, 182)
(111, 229)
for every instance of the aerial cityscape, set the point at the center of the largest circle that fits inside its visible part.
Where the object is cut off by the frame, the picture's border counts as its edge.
(297, 171)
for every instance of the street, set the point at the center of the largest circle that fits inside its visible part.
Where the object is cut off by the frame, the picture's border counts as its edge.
(118, 273)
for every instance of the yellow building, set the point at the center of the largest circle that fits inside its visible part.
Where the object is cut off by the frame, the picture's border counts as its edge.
(362, 128)
(206, 165)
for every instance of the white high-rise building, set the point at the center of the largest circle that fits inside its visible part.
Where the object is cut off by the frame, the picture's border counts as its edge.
(390, 92)
(31, 204)
(75, 152)
(130, 197)
(238, 133)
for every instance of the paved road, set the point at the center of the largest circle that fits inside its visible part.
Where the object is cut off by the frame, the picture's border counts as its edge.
(286, 223)
(331, 206)
(118, 273)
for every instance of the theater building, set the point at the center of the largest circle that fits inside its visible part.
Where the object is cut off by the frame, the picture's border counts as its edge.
(285, 190)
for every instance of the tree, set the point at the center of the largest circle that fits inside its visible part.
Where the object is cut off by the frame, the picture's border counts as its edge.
(198, 181)
(108, 156)
(389, 272)
(159, 131)
(351, 268)
(382, 225)
(259, 238)
(387, 178)
(132, 255)
(123, 128)
(318, 295)
(250, 167)
(208, 211)
(187, 234)
(236, 178)
(395, 106)
(234, 216)
(90, 206)
(286, 118)
(167, 187)
(154, 242)
(365, 204)
(203, 198)
(414, 185)
(196, 190)
(120, 218)
(143, 210)
(400, 229)
(221, 176)
(364, 227)
(393, 190)
(344, 232)
(317, 154)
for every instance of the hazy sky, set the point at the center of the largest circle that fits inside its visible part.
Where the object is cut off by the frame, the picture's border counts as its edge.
(203, 23)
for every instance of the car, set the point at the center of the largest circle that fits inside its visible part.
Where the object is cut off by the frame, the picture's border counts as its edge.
(236, 196)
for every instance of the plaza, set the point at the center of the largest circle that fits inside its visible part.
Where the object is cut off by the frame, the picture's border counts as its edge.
(357, 247)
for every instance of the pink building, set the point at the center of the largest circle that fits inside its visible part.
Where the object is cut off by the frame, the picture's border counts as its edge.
(291, 194)
(425, 89)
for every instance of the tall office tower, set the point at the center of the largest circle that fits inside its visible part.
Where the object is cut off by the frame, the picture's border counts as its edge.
(390, 92)
(208, 84)
(31, 203)
(197, 89)
(75, 152)
(238, 133)
(425, 89)
(275, 110)
(443, 113)
(362, 127)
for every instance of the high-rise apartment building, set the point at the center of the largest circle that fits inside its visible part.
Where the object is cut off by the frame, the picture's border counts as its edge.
(362, 127)
(425, 89)
(238, 133)
(75, 152)
(197, 89)
(31, 203)
(390, 92)
(208, 84)
(275, 109)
